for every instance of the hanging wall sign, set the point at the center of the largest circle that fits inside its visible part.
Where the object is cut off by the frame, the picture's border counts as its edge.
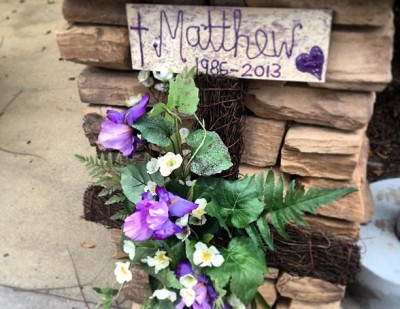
(255, 43)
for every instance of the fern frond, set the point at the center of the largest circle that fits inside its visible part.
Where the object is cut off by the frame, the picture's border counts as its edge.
(120, 215)
(291, 207)
(116, 198)
(104, 170)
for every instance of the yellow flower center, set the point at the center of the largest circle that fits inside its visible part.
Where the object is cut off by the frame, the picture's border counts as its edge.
(198, 211)
(170, 163)
(124, 271)
(207, 256)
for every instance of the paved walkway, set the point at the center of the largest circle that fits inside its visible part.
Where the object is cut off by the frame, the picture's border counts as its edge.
(41, 183)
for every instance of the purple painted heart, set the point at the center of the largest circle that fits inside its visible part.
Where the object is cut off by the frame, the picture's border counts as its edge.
(311, 63)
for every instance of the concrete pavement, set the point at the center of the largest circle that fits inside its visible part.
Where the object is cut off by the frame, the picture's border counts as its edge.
(41, 183)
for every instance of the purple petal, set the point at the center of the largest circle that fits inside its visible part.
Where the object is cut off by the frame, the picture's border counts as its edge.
(184, 268)
(116, 136)
(163, 195)
(167, 230)
(201, 297)
(212, 294)
(158, 215)
(136, 228)
(137, 111)
(179, 206)
(116, 116)
(147, 196)
(180, 305)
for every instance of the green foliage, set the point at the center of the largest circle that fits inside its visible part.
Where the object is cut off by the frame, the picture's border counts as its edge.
(116, 198)
(134, 178)
(120, 215)
(107, 295)
(157, 304)
(183, 93)
(106, 171)
(245, 265)
(156, 130)
(211, 156)
(236, 202)
(158, 109)
(290, 207)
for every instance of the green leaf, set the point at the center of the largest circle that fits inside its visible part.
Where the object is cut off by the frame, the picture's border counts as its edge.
(269, 188)
(237, 201)
(116, 198)
(120, 215)
(296, 203)
(107, 296)
(183, 93)
(134, 178)
(211, 156)
(213, 210)
(166, 277)
(254, 235)
(158, 109)
(245, 264)
(207, 238)
(265, 232)
(156, 130)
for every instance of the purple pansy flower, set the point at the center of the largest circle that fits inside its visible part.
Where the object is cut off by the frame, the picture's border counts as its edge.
(205, 294)
(152, 218)
(117, 132)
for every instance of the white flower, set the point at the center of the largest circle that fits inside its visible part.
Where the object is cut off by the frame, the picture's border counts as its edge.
(182, 221)
(188, 281)
(161, 87)
(151, 186)
(133, 100)
(122, 272)
(145, 79)
(184, 132)
(198, 217)
(163, 294)
(159, 261)
(199, 211)
(188, 296)
(169, 162)
(164, 75)
(152, 166)
(235, 302)
(148, 82)
(184, 235)
(130, 248)
(204, 256)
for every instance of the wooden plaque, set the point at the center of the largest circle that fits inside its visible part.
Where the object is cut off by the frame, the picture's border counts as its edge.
(254, 43)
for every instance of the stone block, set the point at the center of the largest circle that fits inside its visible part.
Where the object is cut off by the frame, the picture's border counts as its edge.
(339, 109)
(309, 289)
(103, 46)
(346, 230)
(351, 207)
(332, 166)
(109, 12)
(360, 60)
(268, 291)
(262, 140)
(346, 12)
(109, 87)
(286, 303)
(313, 139)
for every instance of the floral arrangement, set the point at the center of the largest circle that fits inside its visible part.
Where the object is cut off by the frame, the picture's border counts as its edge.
(201, 239)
